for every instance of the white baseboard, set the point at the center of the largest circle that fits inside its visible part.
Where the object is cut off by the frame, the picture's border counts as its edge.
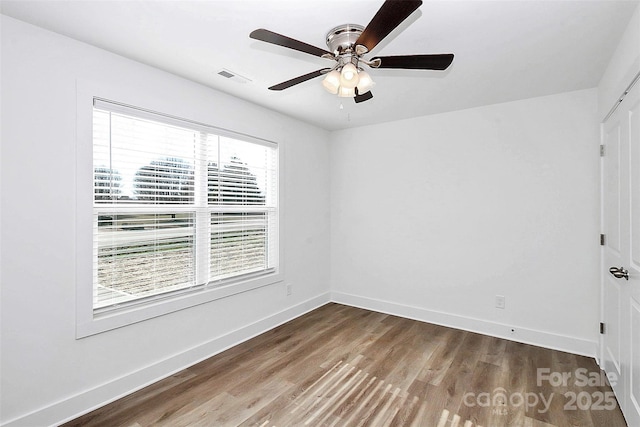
(82, 403)
(523, 335)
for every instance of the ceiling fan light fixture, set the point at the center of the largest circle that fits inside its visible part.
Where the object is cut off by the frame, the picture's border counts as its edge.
(331, 82)
(365, 82)
(349, 76)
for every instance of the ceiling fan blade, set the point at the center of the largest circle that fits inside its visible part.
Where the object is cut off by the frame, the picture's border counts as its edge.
(280, 40)
(300, 79)
(388, 17)
(362, 97)
(416, 62)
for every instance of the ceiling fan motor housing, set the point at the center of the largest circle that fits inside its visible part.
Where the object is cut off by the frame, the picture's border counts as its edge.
(342, 38)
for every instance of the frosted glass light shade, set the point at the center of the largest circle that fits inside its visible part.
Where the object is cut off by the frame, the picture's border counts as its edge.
(349, 76)
(346, 92)
(365, 82)
(331, 82)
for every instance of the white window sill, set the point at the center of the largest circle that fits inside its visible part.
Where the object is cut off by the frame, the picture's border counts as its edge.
(92, 324)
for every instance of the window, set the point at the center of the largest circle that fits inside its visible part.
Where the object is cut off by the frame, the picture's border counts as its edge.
(178, 207)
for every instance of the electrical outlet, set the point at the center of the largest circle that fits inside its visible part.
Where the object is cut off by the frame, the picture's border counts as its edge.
(289, 290)
(499, 301)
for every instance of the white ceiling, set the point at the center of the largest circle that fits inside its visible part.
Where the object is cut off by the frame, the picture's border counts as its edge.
(504, 50)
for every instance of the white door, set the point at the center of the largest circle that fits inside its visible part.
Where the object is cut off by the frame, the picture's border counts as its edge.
(621, 253)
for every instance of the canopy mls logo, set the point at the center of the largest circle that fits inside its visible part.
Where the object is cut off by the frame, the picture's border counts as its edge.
(500, 400)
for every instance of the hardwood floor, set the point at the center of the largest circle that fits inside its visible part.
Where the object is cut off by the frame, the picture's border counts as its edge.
(344, 366)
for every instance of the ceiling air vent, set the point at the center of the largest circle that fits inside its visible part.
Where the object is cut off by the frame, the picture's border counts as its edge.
(233, 76)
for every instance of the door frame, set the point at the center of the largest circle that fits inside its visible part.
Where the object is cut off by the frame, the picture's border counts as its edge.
(600, 342)
(623, 399)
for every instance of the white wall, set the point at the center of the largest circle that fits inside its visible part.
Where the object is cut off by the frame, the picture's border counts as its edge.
(433, 216)
(48, 375)
(623, 66)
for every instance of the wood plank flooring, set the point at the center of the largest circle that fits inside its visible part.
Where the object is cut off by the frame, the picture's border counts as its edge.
(344, 366)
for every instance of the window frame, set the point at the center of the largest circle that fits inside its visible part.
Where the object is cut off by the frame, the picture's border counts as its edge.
(90, 322)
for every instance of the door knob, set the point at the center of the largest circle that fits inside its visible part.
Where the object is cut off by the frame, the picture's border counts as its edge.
(619, 273)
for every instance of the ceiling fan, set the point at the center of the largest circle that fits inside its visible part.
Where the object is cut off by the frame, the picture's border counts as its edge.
(348, 44)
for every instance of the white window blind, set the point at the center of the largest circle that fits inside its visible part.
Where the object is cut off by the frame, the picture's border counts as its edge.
(178, 206)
